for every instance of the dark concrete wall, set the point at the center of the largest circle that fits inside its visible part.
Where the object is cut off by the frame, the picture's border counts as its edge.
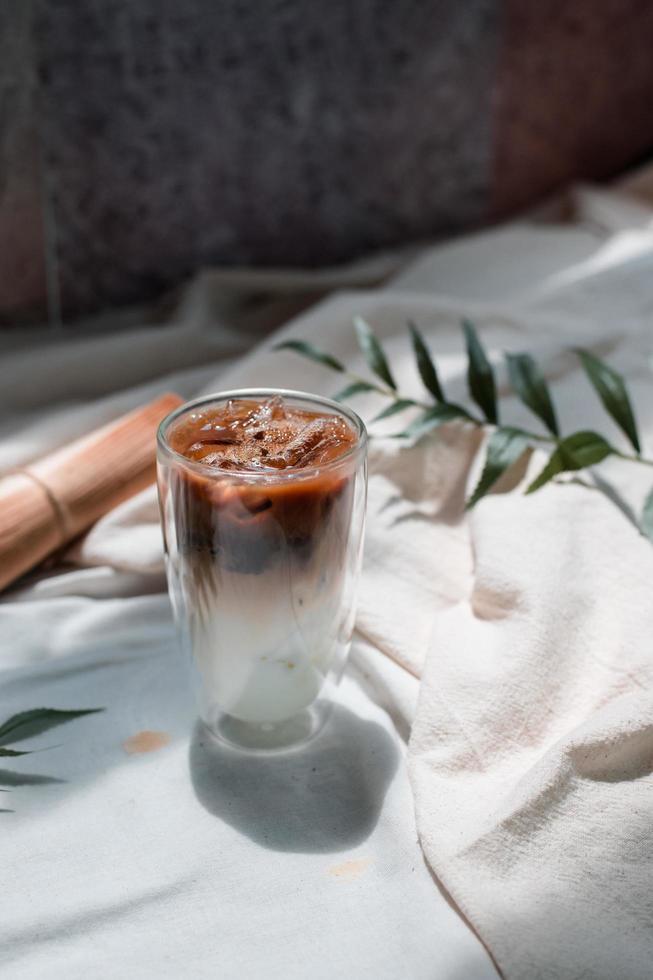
(142, 140)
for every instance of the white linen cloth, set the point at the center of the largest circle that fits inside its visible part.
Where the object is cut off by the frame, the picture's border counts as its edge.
(177, 862)
(531, 749)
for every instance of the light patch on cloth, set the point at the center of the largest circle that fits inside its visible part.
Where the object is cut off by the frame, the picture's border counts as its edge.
(350, 870)
(488, 603)
(145, 741)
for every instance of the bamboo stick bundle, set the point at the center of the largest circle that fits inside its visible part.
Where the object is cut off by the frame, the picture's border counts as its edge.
(45, 505)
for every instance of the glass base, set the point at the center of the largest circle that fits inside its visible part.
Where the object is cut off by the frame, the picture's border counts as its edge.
(269, 737)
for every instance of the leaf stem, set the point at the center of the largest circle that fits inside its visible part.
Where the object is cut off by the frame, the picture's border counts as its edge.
(398, 397)
(580, 450)
(633, 458)
(426, 406)
(388, 392)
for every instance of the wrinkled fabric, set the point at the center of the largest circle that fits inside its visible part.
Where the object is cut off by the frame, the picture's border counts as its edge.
(528, 622)
(135, 848)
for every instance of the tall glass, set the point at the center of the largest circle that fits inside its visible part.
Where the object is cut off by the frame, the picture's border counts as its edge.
(262, 571)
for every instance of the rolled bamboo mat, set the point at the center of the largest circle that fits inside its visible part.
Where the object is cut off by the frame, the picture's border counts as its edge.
(45, 505)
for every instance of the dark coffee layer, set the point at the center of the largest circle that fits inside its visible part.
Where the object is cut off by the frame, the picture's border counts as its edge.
(249, 526)
(252, 435)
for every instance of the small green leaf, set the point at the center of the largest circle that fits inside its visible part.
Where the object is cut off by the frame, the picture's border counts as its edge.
(355, 388)
(480, 376)
(573, 453)
(11, 752)
(394, 408)
(373, 351)
(26, 724)
(312, 353)
(505, 446)
(431, 419)
(461, 412)
(530, 384)
(611, 389)
(427, 370)
(646, 522)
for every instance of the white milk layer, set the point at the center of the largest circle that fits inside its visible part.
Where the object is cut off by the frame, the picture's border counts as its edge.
(264, 644)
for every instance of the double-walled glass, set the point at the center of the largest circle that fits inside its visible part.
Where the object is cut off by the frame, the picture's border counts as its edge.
(262, 570)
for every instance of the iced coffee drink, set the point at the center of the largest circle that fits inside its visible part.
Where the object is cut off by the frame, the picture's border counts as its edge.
(262, 497)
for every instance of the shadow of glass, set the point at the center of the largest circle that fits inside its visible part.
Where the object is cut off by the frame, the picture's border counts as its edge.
(324, 797)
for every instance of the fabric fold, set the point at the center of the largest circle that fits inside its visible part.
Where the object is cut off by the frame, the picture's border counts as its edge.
(531, 754)
(529, 622)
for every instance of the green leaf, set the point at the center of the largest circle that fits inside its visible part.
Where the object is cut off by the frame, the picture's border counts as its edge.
(373, 351)
(480, 376)
(394, 408)
(425, 365)
(611, 389)
(312, 353)
(431, 419)
(26, 724)
(505, 446)
(355, 388)
(574, 453)
(11, 752)
(529, 383)
(461, 412)
(646, 522)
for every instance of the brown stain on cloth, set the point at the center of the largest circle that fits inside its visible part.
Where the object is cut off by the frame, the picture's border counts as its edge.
(350, 870)
(145, 741)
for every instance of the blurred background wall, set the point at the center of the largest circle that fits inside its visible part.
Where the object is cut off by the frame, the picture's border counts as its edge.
(140, 141)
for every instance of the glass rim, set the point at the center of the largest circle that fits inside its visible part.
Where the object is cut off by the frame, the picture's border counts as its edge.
(289, 472)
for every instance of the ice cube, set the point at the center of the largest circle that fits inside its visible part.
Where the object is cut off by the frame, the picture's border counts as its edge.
(201, 452)
(306, 444)
(222, 435)
(271, 410)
